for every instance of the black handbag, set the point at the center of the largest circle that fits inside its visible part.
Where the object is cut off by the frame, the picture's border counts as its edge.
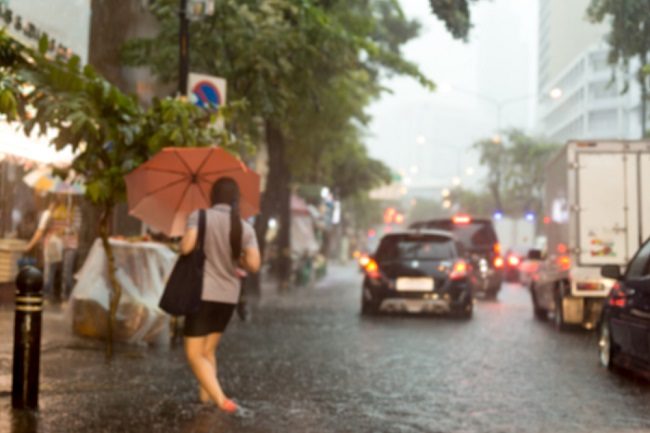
(182, 294)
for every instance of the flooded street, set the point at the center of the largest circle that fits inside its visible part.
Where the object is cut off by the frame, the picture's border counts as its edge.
(308, 362)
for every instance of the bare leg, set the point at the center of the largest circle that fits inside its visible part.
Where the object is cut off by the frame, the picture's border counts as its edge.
(203, 368)
(210, 344)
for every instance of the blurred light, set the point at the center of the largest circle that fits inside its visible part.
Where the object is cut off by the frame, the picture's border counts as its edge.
(498, 215)
(469, 171)
(389, 215)
(372, 233)
(404, 190)
(407, 181)
(446, 204)
(513, 261)
(556, 93)
(325, 192)
(456, 181)
(496, 139)
(414, 169)
(336, 214)
(421, 139)
(446, 192)
(399, 219)
(547, 220)
(498, 262)
(530, 216)
(273, 223)
(462, 219)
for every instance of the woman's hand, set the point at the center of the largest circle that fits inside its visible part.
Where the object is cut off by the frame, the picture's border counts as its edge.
(250, 260)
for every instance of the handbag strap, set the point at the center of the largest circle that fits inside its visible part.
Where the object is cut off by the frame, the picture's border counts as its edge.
(201, 236)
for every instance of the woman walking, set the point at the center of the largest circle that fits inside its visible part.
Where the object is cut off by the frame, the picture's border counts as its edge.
(229, 244)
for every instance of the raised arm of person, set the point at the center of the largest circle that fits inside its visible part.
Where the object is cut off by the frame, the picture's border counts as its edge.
(40, 231)
(250, 258)
(189, 240)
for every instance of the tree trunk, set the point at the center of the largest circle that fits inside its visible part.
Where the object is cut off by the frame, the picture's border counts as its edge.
(116, 292)
(275, 203)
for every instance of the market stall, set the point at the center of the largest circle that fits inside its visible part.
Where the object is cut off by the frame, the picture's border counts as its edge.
(142, 268)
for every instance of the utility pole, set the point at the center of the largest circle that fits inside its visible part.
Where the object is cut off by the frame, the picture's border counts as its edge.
(184, 48)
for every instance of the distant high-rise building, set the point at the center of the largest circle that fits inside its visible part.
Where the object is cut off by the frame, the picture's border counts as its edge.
(573, 61)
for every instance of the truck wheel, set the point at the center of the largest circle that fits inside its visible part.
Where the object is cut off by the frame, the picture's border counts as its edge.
(606, 347)
(538, 312)
(558, 316)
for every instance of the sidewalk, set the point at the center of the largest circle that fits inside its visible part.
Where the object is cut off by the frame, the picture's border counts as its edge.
(142, 389)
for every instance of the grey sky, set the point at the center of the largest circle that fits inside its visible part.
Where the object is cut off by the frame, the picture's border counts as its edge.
(499, 61)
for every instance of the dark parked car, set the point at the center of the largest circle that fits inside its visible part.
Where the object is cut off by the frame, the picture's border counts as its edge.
(481, 248)
(418, 271)
(625, 325)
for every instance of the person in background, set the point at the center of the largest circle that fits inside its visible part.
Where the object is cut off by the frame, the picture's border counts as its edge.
(229, 244)
(50, 233)
(68, 218)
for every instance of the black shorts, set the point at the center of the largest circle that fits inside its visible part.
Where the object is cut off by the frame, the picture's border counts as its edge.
(212, 317)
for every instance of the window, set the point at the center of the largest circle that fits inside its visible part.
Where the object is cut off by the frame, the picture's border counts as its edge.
(640, 264)
(416, 248)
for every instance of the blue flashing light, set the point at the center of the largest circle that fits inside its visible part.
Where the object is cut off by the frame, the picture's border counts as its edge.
(530, 216)
(498, 215)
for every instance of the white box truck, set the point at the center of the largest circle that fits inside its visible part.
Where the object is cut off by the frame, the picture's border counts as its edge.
(597, 212)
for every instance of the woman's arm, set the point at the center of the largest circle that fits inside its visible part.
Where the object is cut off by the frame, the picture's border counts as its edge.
(250, 259)
(189, 241)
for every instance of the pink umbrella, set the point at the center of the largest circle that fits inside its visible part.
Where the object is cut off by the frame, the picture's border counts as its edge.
(163, 191)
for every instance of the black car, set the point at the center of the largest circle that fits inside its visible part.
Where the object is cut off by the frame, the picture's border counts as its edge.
(480, 244)
(417, 271)
(625, 325)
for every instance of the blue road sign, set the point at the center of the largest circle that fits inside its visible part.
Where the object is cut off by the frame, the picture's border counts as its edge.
(206, 95)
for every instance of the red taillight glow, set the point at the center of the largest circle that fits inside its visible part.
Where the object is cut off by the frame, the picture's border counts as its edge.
(462, 219)
(498, 262)
(372, 269)
(513, 261)
(459, 270)
(617, 296)
(496, 248)
(364, 260)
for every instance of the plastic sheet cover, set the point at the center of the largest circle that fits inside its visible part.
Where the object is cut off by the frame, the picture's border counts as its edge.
(142, 269)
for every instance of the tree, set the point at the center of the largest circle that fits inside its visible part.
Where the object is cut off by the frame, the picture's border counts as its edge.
(307, 69)
(516, 170)
(109, 132)
(629, 39)
(455, 14)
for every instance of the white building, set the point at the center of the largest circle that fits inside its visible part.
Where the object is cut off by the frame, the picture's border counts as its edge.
(573, 58)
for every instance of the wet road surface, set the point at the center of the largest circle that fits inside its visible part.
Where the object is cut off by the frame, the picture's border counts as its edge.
(308, 362)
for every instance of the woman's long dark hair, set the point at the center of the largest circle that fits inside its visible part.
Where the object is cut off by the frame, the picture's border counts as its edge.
(226, 191)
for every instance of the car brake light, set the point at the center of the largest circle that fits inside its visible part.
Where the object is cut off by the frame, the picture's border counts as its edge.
(564, 263)
(462, 219)
(372, 269)
(459, 271)
(364, 260)
(513, 261)
(496, 248)
(498, 262)
(617, 296)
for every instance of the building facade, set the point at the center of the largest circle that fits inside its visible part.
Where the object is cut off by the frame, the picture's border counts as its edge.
(573, 58)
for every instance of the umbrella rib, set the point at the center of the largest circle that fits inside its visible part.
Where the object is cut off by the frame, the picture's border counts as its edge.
(230, 170)
(178, 155)
(205, 160)
(163, 170)
(157, 190)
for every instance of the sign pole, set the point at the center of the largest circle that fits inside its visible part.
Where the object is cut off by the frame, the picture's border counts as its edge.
(184, 47)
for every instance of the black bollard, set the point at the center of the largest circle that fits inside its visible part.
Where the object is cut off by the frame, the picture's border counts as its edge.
(27, 338)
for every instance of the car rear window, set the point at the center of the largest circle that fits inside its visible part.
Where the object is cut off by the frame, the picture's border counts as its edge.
(416, 248)
(471, 235)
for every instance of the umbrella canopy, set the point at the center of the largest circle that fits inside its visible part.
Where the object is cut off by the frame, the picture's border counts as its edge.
(163, 191)
(43, 180)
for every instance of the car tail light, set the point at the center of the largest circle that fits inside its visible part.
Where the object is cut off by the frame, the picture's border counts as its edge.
(564, 263)
(372, 269)
(498, 262)
(589, 286)
(513, 261)
(459, 271)
(461, 219)
(364, 260)
(617, 296)
(496, 248)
